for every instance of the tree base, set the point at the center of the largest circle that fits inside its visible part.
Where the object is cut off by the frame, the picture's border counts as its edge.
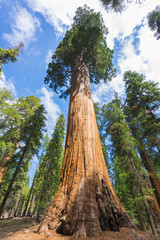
(86, 211)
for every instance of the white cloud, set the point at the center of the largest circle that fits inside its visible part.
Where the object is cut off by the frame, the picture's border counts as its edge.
(150, 52)
(53, 110)
(148, 59)
(9, 84)
(145, 62)
(49, 56)
(103, 91)
(59, 13)
(123, 24)
(23, 27)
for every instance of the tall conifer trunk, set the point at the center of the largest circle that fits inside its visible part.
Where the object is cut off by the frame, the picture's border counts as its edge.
(30, 194)
(8, 157)
(85, 203)
(148, 165)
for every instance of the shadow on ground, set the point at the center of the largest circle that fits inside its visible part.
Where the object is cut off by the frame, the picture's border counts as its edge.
(22, 228)
(12, 225)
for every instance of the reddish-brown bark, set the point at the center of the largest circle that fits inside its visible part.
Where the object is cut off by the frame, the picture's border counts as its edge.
(153, 176)
(3, 167)
(148, 165)
(85, 203)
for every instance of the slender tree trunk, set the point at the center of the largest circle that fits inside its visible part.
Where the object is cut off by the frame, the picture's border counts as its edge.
(149, 202)
(40, 209)
(23, 206)
(18, 169)
(140, 217)
(9, 189)
(153, 176)
(85, 203)
(18, 203)
(150, 217)
(35, 211)
(30, 193)
(151, 208)
(148, 165)
(30, 210)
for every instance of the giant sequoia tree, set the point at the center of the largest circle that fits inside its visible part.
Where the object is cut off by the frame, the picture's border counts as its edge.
(85, 203)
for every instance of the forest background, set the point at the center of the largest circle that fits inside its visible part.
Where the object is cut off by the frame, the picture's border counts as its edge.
(32, 23)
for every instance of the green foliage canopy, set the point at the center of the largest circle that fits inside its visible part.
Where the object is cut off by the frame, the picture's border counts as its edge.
(154, 21)
(9, 55)
(85, 41)
(143, 100)
(118, 5)
(143, 112)
(48, 176)
(14, 115)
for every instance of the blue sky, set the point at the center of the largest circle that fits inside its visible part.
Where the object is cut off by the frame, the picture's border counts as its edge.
(41, 25)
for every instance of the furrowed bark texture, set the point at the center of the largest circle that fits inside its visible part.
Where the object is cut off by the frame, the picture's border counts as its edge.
(85, 203)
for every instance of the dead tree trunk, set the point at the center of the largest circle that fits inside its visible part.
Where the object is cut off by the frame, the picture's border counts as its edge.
(85, 203)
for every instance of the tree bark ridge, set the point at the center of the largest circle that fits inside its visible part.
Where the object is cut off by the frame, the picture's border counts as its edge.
(85, 203)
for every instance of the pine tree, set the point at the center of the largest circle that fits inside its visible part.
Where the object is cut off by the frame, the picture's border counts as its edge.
(10, 119)
(85, 203)
(13, 115)
(16, 194)
(31, 142)
(31, 194)
(53, 164)
(39, 179)
(129, 164)
(143, 102)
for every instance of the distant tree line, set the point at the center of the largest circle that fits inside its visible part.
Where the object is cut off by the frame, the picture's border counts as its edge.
(22, 129)
(129, 131)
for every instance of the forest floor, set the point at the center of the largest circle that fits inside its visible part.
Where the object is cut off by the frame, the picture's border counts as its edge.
(22, 228)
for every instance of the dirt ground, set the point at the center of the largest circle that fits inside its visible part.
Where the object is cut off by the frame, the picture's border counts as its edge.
(23, 228)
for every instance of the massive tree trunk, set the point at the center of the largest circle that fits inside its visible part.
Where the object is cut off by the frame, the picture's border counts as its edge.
(85, 203)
